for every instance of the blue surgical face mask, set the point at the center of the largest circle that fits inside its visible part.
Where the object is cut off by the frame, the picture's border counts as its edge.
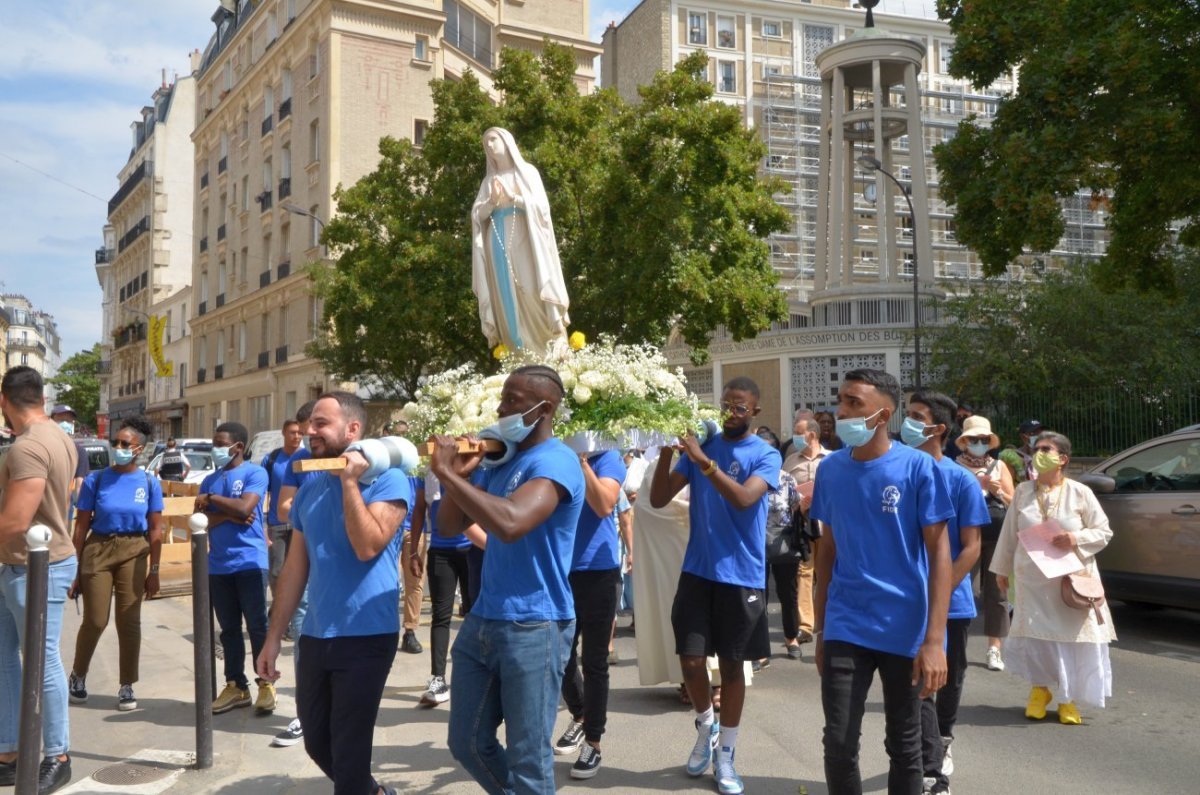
(122, 456)
(799, 443)
(912, 432)
(513, 428)
(977, 449)
(854, 431)
(222, 456)
(68, 427)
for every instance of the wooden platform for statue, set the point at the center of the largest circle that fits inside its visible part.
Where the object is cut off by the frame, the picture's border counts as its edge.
(175, 563)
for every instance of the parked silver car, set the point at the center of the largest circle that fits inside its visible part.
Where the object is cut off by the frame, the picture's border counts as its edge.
(1151, 493)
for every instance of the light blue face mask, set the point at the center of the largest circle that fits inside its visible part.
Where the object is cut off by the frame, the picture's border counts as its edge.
(854, 431)
(912, 432)
(221, 456)
(122, 456)
(513, 428)
(799, 443)
(68, 427)
(978, 449)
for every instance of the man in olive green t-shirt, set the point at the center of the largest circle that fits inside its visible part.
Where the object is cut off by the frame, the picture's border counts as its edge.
(35, 487)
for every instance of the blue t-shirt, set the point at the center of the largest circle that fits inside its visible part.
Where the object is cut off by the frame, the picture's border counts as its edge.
(298, 479)
(433, 496)
(348, 596)
(277, 470)
(526, 580)
(729, 545)
(596, 544)
(415, 484)
(120, 501)
(879, 592)
(970, 510)
(233, 546)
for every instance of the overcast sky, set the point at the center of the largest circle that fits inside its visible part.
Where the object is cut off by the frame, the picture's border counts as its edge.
(74, 74)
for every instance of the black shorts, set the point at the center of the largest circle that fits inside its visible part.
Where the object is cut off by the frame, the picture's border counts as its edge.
(716, 618)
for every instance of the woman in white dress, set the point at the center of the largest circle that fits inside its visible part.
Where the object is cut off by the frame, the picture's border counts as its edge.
(1061, 651)
(515, 269)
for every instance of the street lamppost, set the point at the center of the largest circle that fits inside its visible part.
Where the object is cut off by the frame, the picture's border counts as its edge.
(872, 164)
(294, 210)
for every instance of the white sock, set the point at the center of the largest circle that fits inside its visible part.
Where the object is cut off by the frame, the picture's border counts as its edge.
(728, 738)
(707, 717)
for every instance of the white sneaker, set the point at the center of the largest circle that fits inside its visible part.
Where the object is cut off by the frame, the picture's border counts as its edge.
(994, 661)
(728, 781)
(702, 751)
(947, 759)
(438, 692)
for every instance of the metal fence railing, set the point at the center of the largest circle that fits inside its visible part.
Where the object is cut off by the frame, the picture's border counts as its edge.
(1099, 421)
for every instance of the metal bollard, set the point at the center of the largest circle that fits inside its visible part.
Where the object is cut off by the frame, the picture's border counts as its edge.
(37, 578)
(202, 641)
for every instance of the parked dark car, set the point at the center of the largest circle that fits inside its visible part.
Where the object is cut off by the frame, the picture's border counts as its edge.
(98, 452)
(1151, 493)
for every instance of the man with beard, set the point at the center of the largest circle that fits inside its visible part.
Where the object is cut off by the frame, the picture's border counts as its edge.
(720, 604)
(346, 551)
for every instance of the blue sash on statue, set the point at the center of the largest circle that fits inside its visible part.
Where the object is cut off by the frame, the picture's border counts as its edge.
(504, 269)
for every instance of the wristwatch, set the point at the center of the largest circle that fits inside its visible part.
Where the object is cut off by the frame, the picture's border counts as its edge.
(154, 568)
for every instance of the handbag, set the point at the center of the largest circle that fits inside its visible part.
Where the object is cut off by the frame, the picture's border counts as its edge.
(1083, 592)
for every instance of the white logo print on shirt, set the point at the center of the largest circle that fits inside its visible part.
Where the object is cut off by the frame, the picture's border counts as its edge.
(236, 491)
(891, 499)
(734, 470)
(139, 496)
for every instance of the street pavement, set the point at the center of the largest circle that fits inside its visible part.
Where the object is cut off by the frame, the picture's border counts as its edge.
(1145, 741)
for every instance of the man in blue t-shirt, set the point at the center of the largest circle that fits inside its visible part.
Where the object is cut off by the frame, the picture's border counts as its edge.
(721, 603)
(277, 463)
(512, 648)
(348, 557)
(232, 498)
(595, 583)
(883, 583)
(929, 419)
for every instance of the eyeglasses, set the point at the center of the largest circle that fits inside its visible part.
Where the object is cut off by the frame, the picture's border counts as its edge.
(736, 409)
(1044, 448)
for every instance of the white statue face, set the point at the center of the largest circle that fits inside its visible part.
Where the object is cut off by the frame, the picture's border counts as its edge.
(496, 148)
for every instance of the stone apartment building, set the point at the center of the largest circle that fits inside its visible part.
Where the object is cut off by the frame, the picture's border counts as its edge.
(292, 98)
(146, 257)
(30, 338)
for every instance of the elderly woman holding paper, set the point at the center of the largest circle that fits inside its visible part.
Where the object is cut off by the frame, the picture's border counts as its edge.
(1055, 527)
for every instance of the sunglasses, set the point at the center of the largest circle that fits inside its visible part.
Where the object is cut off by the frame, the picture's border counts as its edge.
(123, 445)
(736, 409)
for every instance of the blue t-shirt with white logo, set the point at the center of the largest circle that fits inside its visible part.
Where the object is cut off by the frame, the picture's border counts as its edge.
(433, 497)
(234, 546)
(278, 464)
(526, 579)
(596, 544)
(347, 596)
(729, 545)
(879, 592)
(970, 510)
(120, 502)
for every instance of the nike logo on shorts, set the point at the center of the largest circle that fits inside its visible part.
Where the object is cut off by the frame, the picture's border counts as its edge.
(752, 598)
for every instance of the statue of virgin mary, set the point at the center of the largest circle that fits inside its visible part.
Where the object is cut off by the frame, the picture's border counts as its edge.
(515, 270)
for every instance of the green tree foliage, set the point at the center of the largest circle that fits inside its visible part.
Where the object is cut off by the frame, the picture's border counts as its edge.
(658, 210)
(79, 386)
(1004, 341)
(1107, 100)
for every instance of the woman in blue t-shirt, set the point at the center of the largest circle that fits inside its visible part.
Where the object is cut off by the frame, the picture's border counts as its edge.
(118, 538)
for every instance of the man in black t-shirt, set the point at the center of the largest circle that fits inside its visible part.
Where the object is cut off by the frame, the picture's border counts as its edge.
(174, 464)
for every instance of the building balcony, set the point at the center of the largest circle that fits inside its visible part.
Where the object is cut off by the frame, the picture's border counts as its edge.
(218, 372)
(129, 185)
(204, 244)
(135, 231)
(104, 367)
(281, 354)
(264, 359)
(268, 124)
(204, 180)
(264, 278)
(265, 200)
(220, 300)
(223, 165)
(201, 375)
(285, 188)
(220, 233)
(104, 256)
(284, 270)
(16, 343)
(202, 307)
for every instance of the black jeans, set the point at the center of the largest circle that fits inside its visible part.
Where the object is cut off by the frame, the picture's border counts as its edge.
(849, 671)
(446, 568)
(595, 609)
(995, 601)
(785, 588)
(234, 596)
(339, 683)
(939, 713)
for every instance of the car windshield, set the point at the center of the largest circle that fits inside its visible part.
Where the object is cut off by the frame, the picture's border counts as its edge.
(1171, 466)
(198, 460)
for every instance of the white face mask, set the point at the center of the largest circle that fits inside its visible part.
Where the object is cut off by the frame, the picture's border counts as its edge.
(978, 449)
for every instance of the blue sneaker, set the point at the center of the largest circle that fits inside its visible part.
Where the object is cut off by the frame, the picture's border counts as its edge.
(728, 781)
(702, 752)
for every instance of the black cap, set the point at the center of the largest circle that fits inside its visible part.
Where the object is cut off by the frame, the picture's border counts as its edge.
(1030, 426)
(62, 408)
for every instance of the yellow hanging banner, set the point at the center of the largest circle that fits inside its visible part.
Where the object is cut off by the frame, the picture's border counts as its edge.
(158, 328)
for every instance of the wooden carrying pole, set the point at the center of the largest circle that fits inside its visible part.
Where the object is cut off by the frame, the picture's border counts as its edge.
(339, 463)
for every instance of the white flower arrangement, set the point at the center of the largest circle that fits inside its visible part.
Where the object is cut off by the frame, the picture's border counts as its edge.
(616, 396)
